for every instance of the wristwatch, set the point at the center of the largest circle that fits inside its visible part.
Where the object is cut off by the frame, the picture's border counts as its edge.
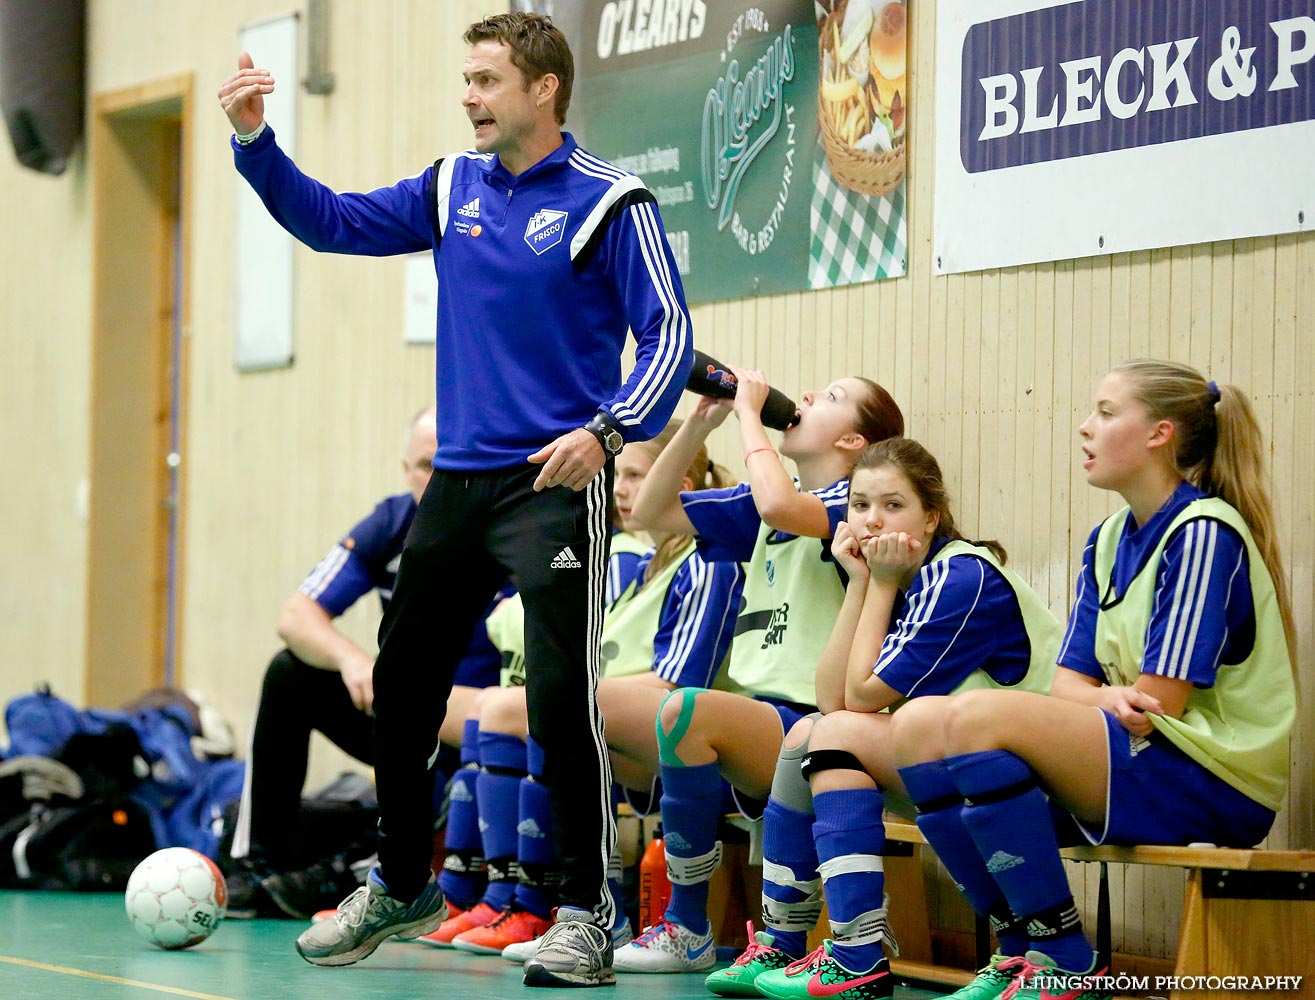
(604, 427)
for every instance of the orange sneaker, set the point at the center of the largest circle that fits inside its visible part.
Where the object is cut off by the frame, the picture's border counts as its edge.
(479, 915)
(512, 927)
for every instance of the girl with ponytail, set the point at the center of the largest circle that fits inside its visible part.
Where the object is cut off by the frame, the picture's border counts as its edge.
(1175, 693)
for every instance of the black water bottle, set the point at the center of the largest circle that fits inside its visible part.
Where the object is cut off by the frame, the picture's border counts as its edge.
(709, 377)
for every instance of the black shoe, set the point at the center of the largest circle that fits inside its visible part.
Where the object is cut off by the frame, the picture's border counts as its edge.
(246, 894)
(320, 887)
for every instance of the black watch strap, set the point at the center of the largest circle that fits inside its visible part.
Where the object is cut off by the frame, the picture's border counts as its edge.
(605, 428)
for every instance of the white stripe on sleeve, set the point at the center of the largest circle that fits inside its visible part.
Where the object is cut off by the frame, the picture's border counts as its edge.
(673, 329)
(1189, 599)
(963, 623)
(323, 574)
(919, 612)
(693, 608)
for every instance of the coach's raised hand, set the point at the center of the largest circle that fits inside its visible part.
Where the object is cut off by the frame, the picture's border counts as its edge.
(242, 95)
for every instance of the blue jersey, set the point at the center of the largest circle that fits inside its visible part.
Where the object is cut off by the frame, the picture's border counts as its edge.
(728, 523)
(536, 291)
(697, 621)
(959, 615)
(1202, 616)
(367, 558)
(364, 560)
(622, 565)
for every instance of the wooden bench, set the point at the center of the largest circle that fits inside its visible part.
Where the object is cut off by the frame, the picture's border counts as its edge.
(1246, 913)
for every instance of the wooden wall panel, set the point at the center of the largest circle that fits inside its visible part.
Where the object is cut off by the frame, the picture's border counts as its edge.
(994, 370)
(45, 294)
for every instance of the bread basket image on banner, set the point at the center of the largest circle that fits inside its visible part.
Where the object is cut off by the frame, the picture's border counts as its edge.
(861, 94)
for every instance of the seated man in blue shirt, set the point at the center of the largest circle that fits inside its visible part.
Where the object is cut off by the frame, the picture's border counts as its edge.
(322, 682)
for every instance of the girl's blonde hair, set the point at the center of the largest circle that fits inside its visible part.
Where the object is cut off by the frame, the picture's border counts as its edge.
(1220, 450)
(702, 472)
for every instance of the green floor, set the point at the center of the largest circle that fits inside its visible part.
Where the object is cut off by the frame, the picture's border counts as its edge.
(64, 946)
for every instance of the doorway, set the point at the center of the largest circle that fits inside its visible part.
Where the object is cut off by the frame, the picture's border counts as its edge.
(140, 199)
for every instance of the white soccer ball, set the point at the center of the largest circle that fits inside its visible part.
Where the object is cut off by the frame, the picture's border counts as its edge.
(176, 898)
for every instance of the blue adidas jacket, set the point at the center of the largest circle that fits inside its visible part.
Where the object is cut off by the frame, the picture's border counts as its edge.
(539, 276)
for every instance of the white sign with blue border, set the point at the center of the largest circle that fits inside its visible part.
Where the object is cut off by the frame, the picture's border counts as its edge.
(1099, 126)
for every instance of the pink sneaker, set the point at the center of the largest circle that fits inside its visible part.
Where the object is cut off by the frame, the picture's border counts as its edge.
(512, 927)
(480, 915)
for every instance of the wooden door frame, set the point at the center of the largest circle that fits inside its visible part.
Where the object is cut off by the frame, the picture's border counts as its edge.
(139, 290)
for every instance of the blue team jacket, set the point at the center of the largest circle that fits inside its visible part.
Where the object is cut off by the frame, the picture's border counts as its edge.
(539, 276)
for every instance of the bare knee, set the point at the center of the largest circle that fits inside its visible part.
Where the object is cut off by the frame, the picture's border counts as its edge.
(799, 733)
(674, 705)
(477, 702)
(502, 710)
(681, 738)
(917, 730)
(840, 731)
(972, 722)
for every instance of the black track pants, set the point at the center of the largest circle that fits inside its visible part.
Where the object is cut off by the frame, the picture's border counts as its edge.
(295, 699)
(471, 530)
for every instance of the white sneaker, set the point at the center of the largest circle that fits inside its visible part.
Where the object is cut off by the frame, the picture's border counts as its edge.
(574, 951)
(366, 918)
(522, 951)
(667, 947)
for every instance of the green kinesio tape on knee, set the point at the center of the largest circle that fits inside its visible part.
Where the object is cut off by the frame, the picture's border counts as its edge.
(667, 742)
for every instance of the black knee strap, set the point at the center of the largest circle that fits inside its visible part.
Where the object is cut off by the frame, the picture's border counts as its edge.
(463, 862)
(1003, 920)
(502, 869)
(937, 804)
(830, 760)
(506, 772)
(1000, 794)
(1053, 922)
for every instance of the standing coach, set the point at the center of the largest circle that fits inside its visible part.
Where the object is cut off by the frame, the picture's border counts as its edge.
(545, 256)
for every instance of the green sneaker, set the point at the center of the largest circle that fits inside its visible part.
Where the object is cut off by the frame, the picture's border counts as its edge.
(737, 979)
(1039, 978)
(367, 918)
(992, 979)
(820, 975)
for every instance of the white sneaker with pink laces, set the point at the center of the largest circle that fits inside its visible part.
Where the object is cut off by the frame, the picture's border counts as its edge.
(667, 947)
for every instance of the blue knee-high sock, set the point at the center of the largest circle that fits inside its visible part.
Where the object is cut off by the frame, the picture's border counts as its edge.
(462, 879)
(501, 768)
(849, 827)
(534, 843)
(788, 842)
(691, 810)
(1009, 819)
(940, 818)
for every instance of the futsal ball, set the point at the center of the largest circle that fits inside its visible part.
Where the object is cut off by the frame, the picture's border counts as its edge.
(176, 898)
